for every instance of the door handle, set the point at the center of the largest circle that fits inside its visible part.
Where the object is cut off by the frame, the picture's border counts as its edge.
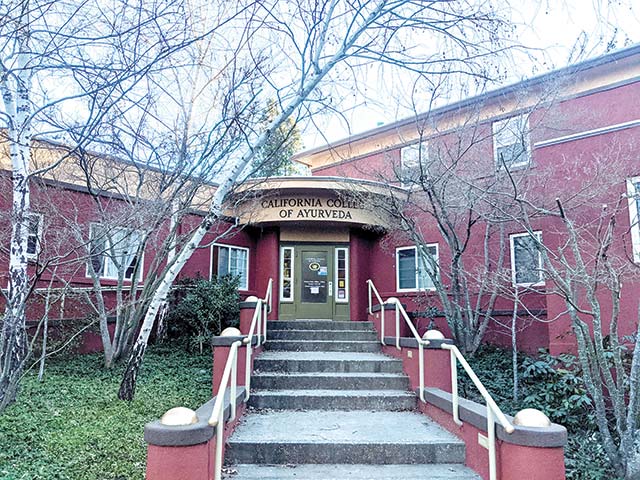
(330, 289)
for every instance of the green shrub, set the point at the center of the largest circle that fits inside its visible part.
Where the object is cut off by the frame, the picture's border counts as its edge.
(200, 309)
(585, 458)
(553, 385)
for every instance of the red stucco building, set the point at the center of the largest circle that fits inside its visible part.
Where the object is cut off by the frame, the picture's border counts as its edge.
(571, 134)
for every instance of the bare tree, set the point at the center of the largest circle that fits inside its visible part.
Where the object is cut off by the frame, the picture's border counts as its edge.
(311, 42)
(65, 64)
(445, 187)
(587, 262)
(590, 273)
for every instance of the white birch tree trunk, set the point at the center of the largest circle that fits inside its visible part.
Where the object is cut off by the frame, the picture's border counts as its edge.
(13, 341)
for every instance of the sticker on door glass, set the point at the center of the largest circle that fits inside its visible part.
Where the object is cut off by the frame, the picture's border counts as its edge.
(315, 290)
(314, 266)
(322, 271)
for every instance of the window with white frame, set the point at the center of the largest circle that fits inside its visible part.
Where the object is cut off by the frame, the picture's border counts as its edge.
(412, 157)
(633, 194)
(342, 275)
(286, 274)
(511, 142)
(415, 271)
(114, 250)
(526, 259)
(233, 261)
(34, 235)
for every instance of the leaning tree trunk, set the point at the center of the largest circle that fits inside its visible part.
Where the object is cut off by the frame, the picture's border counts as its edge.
(307, 86)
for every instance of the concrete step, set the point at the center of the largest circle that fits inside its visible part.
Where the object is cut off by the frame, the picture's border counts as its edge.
(340, 335)
(330, 437)
(322, 346)
(317, 325)
(373, 400)
(274, 361)
(445, 471)
(331, 381)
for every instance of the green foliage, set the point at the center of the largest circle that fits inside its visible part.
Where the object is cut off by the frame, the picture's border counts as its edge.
(274, 159)
(73, 427)
(201, 309)
(585, 458)
(553, 385)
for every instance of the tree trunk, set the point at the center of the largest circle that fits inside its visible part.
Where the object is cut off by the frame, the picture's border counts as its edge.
(128, 386)
(13, 342)
(45, 336)
(14, 355)
(514, 345)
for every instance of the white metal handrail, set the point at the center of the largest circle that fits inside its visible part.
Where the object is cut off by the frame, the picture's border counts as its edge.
(217, 414)
(230, 373)
(400, 313)
(493, 411)
(371, 288)
(259, 320)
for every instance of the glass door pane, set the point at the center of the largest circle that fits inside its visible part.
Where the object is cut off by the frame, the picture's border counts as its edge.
(315, 276)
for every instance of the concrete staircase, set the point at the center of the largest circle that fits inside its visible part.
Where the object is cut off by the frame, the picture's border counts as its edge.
(328, 405)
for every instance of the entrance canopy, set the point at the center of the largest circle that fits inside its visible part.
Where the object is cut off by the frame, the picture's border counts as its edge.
(318, 200)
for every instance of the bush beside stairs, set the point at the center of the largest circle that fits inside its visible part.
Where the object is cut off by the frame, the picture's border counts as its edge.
(327, 404)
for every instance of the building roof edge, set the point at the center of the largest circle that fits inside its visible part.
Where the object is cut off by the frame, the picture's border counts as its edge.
(527, 83)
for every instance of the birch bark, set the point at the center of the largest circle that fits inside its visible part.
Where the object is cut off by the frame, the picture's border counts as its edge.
(16, 98)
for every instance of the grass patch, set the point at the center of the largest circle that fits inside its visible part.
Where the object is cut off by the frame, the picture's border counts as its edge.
(72, 426)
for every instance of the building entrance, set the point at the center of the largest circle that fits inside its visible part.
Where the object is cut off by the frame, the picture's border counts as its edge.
(314, 281)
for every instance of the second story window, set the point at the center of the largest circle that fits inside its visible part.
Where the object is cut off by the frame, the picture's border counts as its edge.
(526, 259)
(114, 251)
(511, 142)
(34, 235)
(412, 160)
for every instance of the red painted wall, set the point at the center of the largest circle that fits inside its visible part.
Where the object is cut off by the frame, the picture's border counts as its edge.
(594, 168)
(586, 172)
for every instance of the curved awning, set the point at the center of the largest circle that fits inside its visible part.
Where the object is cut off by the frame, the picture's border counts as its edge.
(318, 200)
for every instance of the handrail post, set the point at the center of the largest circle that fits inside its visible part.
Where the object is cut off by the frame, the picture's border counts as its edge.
(421, 369)
(234, 381)
(369, 295)
(397, 326)
(491, 439)
(454, 387)
(265, 309)
(382, 321)
(219, 442)
(259, 311)
(247, 370)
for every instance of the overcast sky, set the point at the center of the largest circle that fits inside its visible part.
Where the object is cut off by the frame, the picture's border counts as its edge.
(558, 32)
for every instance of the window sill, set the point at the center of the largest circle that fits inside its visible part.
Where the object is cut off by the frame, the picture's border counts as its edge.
(416, 290)
(501, 169)
(529, 285)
